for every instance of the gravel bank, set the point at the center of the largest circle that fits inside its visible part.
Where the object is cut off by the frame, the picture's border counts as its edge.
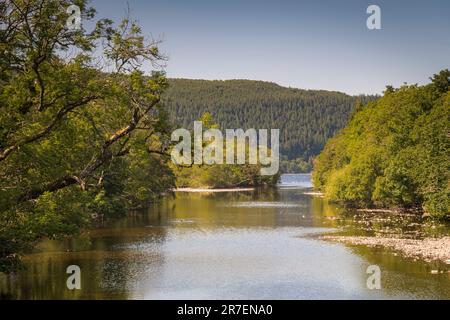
(428, 249)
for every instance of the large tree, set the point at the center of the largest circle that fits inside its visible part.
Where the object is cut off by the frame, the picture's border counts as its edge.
(81, 126)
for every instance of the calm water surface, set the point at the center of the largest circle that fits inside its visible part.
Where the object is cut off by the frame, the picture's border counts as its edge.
(251, 245)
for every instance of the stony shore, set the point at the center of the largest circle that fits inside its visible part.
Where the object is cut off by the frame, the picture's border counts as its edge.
(428, 249)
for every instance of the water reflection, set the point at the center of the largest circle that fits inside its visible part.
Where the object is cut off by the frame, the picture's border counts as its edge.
(253, 245)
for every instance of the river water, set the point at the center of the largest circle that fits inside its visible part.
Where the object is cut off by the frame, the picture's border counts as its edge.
(260, 244)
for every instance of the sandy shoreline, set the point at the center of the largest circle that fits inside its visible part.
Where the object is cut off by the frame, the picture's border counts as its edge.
(314, 193)
(203, 190)
(428, 249)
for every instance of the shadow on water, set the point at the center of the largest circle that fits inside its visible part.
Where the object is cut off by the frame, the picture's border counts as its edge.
(253, 245)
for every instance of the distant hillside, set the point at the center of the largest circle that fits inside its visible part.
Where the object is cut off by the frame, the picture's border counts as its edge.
(306, 118)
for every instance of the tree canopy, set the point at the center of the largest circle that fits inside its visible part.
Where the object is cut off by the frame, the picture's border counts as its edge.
(82, 127)
(394, 152)
(306, 118)
(222, 175)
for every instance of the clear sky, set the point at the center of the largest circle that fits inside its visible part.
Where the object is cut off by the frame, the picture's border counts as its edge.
(309, 44)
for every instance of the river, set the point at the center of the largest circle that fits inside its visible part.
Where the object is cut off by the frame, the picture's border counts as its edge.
(259, 244)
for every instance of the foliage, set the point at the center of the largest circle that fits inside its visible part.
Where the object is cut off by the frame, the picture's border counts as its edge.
(220, 175)
(306, 118)
(394, 152)
(78, 138)
(297, 165)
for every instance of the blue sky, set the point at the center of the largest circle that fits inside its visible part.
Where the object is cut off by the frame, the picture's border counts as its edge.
(303, 44)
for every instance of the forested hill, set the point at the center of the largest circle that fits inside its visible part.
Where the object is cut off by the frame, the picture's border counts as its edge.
(306, 118)
(395, 152)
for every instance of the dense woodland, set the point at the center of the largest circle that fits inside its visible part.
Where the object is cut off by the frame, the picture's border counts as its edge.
(306, 118)
(394, 152)
(221, 175)
(83, 132)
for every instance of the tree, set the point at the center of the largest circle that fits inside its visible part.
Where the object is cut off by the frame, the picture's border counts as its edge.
(394, 152)
(220, 175)
(74, 131)
(441, 80)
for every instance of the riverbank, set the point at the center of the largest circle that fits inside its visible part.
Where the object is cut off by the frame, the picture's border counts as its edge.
(314, 193)
(428, 249)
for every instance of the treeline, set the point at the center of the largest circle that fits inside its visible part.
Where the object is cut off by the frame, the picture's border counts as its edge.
(221, 175)
(394, 152)
(77, 140)
(306, 118)
(297, 165)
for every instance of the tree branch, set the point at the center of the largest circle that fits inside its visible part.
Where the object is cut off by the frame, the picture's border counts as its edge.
(6, 151)
(104, 156)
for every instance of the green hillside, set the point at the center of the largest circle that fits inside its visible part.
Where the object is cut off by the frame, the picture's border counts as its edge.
(306, 118)
(394, 152)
